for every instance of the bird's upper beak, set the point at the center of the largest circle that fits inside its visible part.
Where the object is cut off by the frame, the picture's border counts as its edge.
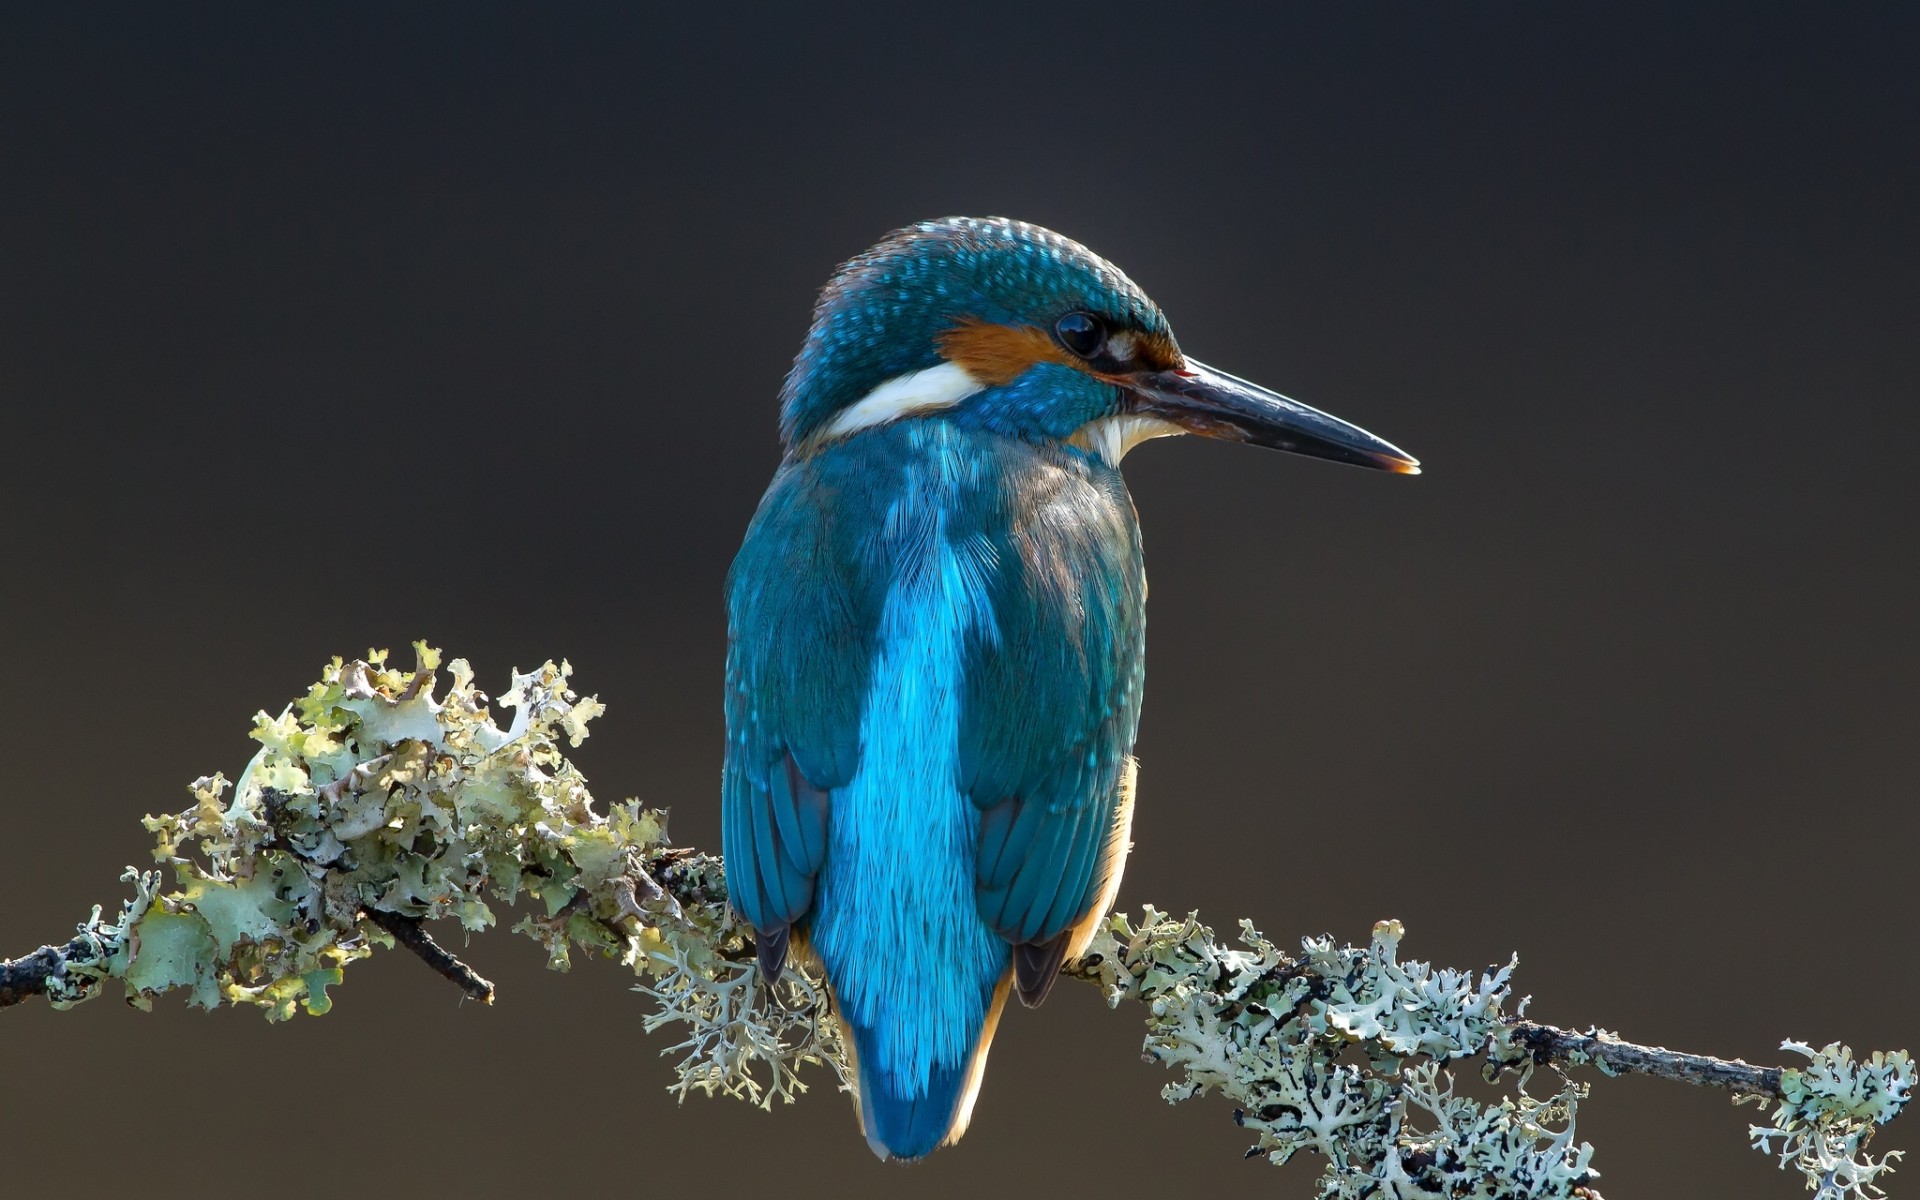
(1215, 404)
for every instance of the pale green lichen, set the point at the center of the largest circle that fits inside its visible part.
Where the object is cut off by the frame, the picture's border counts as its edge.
(1828, 1111)
(1273, 1034)
(373, 794)
(374, 799)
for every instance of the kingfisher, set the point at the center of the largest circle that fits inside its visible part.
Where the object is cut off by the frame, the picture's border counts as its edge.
(935, 639)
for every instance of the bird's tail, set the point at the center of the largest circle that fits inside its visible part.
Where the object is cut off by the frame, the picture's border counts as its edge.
(908, 1119)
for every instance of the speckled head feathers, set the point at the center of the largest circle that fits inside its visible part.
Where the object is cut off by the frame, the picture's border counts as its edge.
(887, 310)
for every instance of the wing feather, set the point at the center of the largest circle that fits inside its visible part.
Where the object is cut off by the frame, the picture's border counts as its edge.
(803, 607)
(1053, 701)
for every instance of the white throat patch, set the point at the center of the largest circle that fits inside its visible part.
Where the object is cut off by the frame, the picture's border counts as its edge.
(919, 391)
(1112, 437)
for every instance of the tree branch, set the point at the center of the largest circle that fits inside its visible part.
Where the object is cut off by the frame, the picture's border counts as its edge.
(408, 932)
(27, 975)
(1562, 1046)
(372, 802)
(1547, 1044)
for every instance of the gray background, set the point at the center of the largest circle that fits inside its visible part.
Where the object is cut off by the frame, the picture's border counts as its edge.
(316, 334)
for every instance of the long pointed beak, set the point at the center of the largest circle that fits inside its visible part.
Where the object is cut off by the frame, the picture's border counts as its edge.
(1215, 404)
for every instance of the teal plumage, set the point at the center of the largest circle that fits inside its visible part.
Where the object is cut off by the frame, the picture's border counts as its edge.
(936, 629)
(1046, 690)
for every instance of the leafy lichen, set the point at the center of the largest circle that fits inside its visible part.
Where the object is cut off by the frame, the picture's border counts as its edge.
(374, 799)
(373, 794)
(1828, 1110)
(1273, 1035)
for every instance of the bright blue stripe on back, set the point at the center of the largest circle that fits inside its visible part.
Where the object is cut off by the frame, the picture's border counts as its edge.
(895, 917)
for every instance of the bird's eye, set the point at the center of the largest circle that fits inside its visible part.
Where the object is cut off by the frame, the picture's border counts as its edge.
(1082, 333)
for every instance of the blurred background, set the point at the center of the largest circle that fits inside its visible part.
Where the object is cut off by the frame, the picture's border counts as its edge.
(319, 332)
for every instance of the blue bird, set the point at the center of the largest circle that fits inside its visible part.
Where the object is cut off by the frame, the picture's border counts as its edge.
(935, 639)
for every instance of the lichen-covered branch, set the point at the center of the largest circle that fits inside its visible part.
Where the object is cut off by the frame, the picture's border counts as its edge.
(375, 805)
(1615, 1057)
(1277, 1035)
(28, 975)
(408, 932)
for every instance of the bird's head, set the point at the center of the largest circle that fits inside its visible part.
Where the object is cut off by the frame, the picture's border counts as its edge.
(1012, 327)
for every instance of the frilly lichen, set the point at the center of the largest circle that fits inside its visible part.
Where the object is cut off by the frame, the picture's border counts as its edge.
(1828, 1110)
(370, 794)
(372, 801)
(1279, 1037)
(1273, 1035)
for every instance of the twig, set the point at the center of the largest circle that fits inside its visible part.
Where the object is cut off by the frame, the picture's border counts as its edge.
(27, 975)
(1598, 1046)
(409, 932)
(1551, 1044)
(1264, 1030)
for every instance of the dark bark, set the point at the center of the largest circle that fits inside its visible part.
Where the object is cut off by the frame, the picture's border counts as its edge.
(27, 975)
(409, 932)
(1560, 1046)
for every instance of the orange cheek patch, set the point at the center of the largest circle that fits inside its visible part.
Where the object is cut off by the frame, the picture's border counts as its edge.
(999, 354)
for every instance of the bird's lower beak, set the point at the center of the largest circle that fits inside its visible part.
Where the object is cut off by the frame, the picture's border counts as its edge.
(1215, 404)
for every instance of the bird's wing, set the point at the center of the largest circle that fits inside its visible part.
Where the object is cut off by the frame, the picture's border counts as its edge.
(1053, 704)
(801, 621)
